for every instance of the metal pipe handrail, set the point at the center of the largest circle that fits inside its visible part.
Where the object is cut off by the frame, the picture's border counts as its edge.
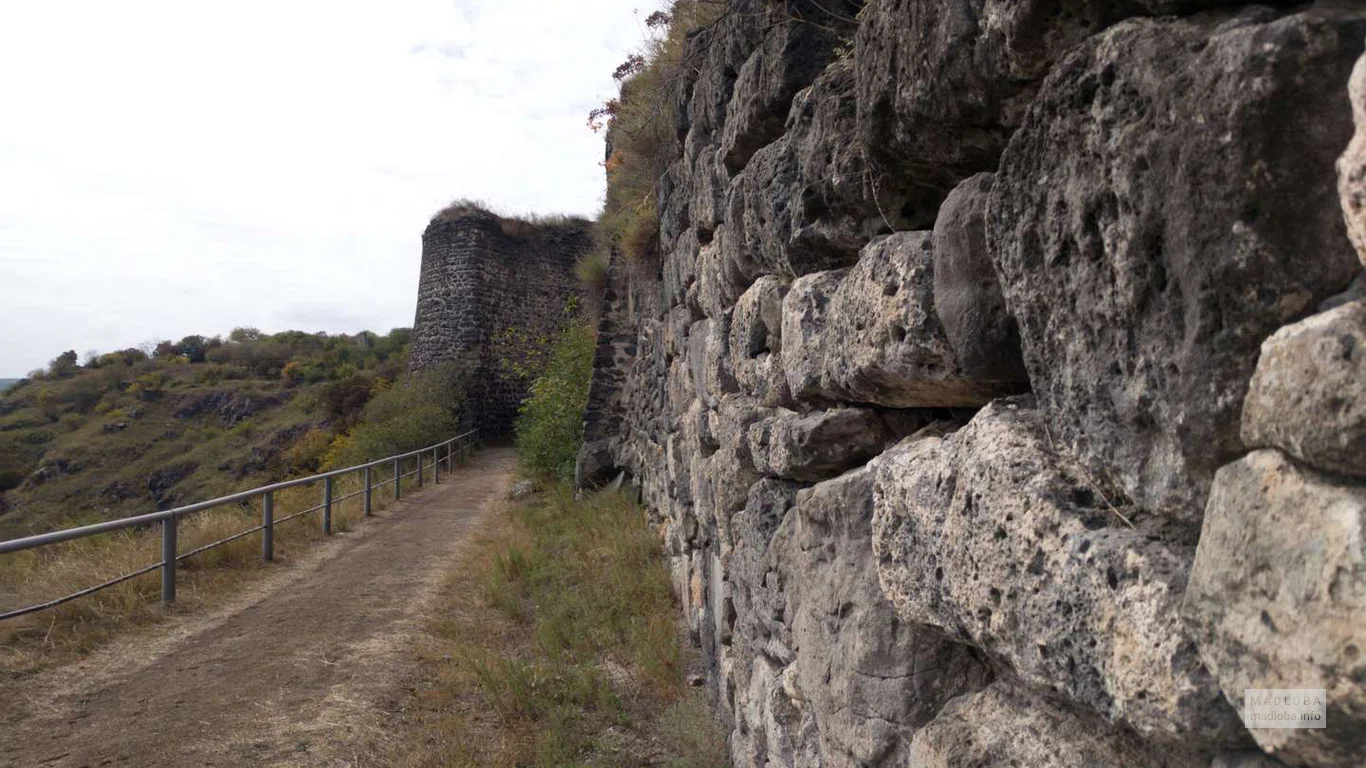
(54, 537)
(81, 593)
(169, 519)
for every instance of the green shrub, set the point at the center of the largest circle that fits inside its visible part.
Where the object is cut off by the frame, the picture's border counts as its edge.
(550, 423)
(306, 454)
(415, 412)
(642, 123)
(591, 269)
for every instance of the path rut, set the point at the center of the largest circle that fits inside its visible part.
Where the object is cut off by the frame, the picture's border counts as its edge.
(306, 670)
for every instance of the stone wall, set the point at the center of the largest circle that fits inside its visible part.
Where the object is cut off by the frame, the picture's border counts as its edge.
(493, 292)
(1000, 393)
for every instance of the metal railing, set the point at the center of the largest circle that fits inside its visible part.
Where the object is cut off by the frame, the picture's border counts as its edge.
(459, 447)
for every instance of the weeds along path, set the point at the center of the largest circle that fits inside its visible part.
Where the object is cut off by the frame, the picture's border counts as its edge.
(306, 670)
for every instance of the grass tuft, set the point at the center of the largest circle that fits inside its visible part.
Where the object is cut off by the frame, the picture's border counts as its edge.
(562, 648)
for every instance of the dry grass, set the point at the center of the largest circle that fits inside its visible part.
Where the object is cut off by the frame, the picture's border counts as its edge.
(46, 638)
(561, 647)
(522, 226)
(642, 131)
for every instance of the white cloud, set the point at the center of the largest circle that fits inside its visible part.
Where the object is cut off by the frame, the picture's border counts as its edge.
(169, 168)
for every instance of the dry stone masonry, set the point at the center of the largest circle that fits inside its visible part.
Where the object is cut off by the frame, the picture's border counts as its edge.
(493, 290)
(1000, 396)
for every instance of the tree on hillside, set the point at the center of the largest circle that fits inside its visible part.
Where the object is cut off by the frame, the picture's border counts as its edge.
(245, 335)
(63, 365)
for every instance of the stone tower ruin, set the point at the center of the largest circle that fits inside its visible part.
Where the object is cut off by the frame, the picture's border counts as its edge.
(493, 293)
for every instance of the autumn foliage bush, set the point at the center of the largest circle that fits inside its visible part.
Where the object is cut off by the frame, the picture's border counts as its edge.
(640, 124)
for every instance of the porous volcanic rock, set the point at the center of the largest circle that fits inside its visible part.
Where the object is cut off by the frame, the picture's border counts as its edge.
(967, 294)
(870, 334)
(1148, 241)
(996, 537)
(1277, 595)
(1308, 396)
(1005, 726)
(1352, 164)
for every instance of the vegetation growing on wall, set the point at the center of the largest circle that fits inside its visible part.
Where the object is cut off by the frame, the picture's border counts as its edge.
(519, 225)
(641, 124)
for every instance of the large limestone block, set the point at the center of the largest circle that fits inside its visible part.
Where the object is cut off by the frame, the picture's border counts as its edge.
(967, 293)
(755, 342)
(757, 544)
(770, 730)
(996, 537)
(804, 203)
(817, 445)
(1277, 598)
(1003, 727)
(869, 679)
(870, 334)
(711, 376)
(716, 289)
(1308, 396)
(943, 83)
(719, 51)
(790, 57)
(1161, 211)
(679, 389)
(674, 213)
(1352, 164)
(720, 481)
(680, 267)
(708, 181)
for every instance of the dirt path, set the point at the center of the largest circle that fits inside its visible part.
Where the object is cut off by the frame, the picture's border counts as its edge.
(306, 670)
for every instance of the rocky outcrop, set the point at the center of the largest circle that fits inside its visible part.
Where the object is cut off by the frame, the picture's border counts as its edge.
(998, 394)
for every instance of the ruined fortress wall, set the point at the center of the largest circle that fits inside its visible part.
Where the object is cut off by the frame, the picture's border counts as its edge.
(1000, 392)
(492, 295)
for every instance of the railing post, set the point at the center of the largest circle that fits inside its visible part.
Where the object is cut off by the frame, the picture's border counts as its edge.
(419, 470)
(168, 549)
(327, 505)
(398, 481)
(267, 526)
(436, 465)
(368, 487)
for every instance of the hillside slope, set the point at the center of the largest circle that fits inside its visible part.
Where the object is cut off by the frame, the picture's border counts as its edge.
(129, 433)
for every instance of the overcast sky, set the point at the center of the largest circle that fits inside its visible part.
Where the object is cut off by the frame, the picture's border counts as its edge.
(169, 168)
